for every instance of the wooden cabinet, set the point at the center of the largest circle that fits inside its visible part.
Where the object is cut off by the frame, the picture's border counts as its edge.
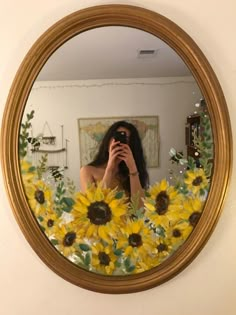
(192, 126)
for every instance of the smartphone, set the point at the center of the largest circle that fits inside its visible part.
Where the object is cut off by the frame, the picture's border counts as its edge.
(120, 136)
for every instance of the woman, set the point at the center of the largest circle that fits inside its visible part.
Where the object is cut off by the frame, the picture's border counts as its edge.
(118, 164)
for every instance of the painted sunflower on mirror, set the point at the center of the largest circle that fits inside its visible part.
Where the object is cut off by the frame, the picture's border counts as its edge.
(65, 238)
(40, 197)
(137, 243)
(164, 249)
(196, 181)
(178, 233)
(103, 258)
(163, 204)
(99, 213)
(28, 171)
(192, 210)
(49, 223)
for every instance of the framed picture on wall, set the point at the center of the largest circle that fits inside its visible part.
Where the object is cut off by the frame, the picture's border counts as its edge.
(92, 130)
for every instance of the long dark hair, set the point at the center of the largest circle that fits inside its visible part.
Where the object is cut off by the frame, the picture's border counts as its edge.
(135, 145)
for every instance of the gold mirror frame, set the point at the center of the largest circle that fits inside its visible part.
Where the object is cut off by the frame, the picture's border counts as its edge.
(175, 37)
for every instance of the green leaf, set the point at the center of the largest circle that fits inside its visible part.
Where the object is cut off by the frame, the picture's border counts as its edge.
(202, 192)
(42, 228)
(191, 163)
(118, 252)
(67, 204)
(68, 201)
(130, 268)
(147, 194)
(87, 259)
(58, 212)
(84, 247)
(117, 264)
(32, 169)
(127, 263)
(40, 218)
(119, 195)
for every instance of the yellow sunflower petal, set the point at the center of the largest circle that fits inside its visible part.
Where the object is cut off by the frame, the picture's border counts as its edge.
(149, 206)
(114, 203)
(102, 232)
(119, 211)
(99, 194)
(91, 230)
(96, 261)
(90, 195)
(128, 250)
(136, 226)
(163, 185)
(83, 199)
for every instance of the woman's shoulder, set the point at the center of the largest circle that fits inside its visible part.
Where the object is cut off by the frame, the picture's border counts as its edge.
(90, 169)
(87, 169)
(90, 174)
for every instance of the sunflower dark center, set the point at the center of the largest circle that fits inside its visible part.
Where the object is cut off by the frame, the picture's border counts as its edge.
(39, 196)
(162, 247)
(69, 239)
(135, 240)
(104, 259)
(50, 223)
(176, 233)
(194, 218)
(197, 181)
(99, 213)
(162, 202)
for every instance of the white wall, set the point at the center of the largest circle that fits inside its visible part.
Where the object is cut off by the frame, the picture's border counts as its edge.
(208, 285)
(63, 102)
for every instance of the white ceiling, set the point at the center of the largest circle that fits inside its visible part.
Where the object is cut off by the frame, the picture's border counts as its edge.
(112, 52)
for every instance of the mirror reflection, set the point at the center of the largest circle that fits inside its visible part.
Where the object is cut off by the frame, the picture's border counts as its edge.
(97, 78)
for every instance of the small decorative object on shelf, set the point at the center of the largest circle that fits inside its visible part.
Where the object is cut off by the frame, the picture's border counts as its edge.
(50, 139)
(47, 159)
(192, 127)
(199, 135)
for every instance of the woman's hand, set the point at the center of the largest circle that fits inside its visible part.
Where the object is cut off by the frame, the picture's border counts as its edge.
(126, 155)
(114, 155)
(112, 163)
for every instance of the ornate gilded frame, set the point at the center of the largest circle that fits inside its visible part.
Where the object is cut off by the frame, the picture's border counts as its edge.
(54, 37)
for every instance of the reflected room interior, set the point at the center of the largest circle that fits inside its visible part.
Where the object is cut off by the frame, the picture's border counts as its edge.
(98, 77)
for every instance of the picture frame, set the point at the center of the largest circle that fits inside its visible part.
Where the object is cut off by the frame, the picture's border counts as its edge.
(92, 130)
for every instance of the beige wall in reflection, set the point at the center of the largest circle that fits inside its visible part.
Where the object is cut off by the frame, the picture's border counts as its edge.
(64, 102)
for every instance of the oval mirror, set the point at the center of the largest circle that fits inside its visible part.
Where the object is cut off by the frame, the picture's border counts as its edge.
(93, 68)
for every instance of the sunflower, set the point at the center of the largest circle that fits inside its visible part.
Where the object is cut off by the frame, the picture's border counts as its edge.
(28, 171)
(196, 180)
(192, 210)
(65, 237)
(147, 264)
(103, 258)
(137, 243)
(40, 197)
(49, 223)
(178, 233)
(99, 213)
(163, 205)
(164, 248)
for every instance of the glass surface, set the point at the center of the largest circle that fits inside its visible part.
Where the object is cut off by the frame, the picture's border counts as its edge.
(96, 78)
